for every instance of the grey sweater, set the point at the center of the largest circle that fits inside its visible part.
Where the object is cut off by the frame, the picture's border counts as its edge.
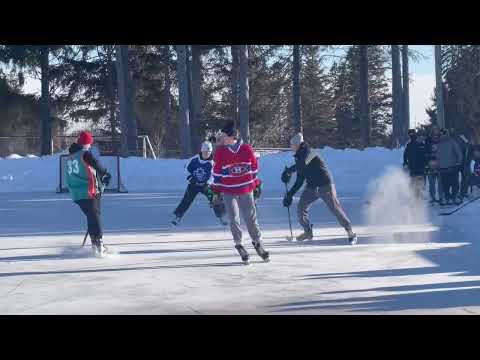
(448, 153)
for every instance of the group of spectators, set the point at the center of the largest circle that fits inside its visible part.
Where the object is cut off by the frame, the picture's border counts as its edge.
(444, 159)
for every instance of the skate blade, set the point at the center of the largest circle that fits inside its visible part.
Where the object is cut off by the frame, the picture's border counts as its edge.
(289, 238)
(353, 241)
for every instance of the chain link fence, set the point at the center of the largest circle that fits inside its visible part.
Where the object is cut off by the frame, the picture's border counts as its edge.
(31, 145)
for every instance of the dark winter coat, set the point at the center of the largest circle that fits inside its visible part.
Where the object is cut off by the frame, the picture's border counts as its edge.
(415, 157)
(431, 146)
(89, 159)
(311, 167)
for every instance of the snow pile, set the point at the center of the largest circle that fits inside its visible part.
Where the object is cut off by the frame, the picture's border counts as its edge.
(393, 204)
(352, 171)
(14, 157)
(29, 174)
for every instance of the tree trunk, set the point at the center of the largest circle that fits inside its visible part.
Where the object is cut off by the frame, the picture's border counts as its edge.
(396, 95)
(243, 93)
(439, 87)
(364, 97)
(125, 97)
(111, 101)
(45, 101)
(235, 83)
(406, 92)
(168, 91)
(184, 111)
(196, 109)
(297, 100)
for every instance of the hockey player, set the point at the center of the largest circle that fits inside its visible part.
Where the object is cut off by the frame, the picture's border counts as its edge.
(199, 175)
(310, 167)
(235, 176)
(85, 178)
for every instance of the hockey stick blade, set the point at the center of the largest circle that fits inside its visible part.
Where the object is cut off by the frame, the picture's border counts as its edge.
(459, 208)
(85, 239)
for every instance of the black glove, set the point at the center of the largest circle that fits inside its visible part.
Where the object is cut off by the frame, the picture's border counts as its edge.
(288, 199)
(257, 192)
(106, 179)
(191, 179)
(286, 176)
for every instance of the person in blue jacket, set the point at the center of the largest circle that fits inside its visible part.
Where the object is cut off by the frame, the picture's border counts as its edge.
(199, 175)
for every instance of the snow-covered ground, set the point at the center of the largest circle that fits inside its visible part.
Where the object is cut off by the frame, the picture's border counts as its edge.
(421, 264)
(352, 169)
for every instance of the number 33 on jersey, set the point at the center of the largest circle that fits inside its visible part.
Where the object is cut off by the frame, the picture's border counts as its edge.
(81, 178)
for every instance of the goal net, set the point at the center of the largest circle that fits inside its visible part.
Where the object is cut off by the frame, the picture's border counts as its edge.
(110, 162)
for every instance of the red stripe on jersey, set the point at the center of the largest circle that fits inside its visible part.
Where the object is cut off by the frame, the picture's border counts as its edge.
(92, 188)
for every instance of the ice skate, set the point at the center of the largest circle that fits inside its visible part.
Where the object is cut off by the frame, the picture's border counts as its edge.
(352, 237)
(306, 235)
(99, 248)
(243, 254)
(176, 220)
(264, 254)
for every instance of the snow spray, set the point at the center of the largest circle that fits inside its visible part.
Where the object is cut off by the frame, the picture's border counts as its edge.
(394, 213)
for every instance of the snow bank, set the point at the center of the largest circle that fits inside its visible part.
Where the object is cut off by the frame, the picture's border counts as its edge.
(25, 174)
(351, 169)
(14, 157)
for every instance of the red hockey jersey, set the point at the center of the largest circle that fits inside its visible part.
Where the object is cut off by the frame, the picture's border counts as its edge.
(235, 169)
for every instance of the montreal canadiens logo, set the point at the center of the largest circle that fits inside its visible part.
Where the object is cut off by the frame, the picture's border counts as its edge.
(238, 170)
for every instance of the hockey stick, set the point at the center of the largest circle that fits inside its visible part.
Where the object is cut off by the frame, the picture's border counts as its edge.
(85, 239)
(460, 207)
(289, 218)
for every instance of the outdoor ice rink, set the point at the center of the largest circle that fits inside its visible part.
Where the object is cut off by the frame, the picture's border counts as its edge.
(430, 268)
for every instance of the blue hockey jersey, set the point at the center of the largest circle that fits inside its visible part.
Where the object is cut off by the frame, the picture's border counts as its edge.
(200, 169)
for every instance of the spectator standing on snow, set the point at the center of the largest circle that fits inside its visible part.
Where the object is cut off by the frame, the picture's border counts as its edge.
(433, 172)
(464, 168)
(310, 166)
(449, 158)
(414, 157)
(474, 164)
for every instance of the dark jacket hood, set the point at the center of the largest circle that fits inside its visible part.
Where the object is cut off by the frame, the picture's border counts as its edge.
(74, 148)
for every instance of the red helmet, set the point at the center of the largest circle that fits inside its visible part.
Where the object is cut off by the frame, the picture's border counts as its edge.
(85, 138)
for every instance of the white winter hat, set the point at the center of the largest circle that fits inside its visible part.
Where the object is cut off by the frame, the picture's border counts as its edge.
(207, 146)
(297, 139)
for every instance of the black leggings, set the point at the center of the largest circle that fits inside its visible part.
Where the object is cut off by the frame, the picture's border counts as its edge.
(91, 209)
(450, 184)
(190, 195)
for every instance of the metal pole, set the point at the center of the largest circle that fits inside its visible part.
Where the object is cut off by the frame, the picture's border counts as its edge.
(144, 147)
(439, 86)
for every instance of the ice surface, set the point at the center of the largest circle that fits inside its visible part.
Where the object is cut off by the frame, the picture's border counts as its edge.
(420, 264)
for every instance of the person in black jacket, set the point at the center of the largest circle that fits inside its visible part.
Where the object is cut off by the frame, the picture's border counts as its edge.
(415, 158)
(310, 167)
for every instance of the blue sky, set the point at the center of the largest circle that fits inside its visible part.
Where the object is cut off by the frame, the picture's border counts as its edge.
(422, 76)
(422, 82)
